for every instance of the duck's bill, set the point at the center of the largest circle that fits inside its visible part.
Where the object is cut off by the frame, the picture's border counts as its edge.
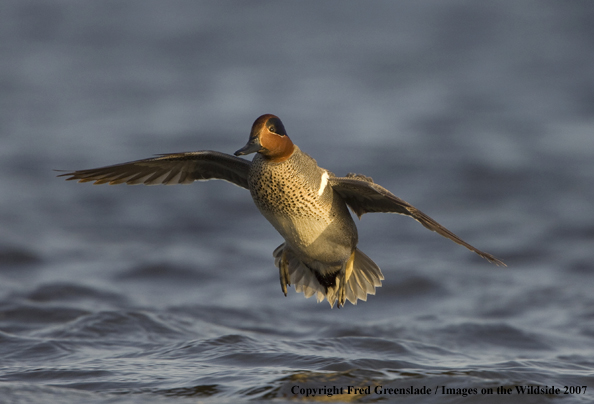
(253, 146)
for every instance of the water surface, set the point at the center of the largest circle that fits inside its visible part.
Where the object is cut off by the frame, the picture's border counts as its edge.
(481, 115)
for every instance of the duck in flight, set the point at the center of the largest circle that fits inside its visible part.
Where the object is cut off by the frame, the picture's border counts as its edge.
(305, 203)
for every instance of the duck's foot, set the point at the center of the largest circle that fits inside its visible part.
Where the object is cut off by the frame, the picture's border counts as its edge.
(283, 271)
(341, 289)
(342, 277)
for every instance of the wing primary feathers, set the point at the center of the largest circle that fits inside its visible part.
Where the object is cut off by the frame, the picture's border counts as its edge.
(173, 168)
(362, 195)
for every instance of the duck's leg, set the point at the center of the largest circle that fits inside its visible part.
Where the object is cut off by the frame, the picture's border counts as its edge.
(283, 272)
(343, 277)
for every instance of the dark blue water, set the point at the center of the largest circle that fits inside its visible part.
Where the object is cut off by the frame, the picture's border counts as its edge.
(479, 113)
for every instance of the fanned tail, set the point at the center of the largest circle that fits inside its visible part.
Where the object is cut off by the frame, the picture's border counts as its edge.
(360, 282)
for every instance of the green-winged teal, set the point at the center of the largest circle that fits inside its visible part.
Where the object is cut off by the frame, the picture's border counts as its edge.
(305, 203)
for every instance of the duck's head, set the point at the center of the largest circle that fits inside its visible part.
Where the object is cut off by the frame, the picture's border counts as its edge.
(269, 138)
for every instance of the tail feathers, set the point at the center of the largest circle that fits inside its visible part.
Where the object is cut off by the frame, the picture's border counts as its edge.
(363, 279)
(299, 275)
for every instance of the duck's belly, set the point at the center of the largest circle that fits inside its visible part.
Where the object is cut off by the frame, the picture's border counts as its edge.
(327, 239)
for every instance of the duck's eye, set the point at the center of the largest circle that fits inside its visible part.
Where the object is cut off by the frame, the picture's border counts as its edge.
(276, 126)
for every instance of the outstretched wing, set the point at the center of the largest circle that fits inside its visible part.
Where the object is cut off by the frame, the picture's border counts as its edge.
(362, 195)
(175, 168)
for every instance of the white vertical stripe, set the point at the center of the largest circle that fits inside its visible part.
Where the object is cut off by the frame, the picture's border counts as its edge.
(323, 183)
